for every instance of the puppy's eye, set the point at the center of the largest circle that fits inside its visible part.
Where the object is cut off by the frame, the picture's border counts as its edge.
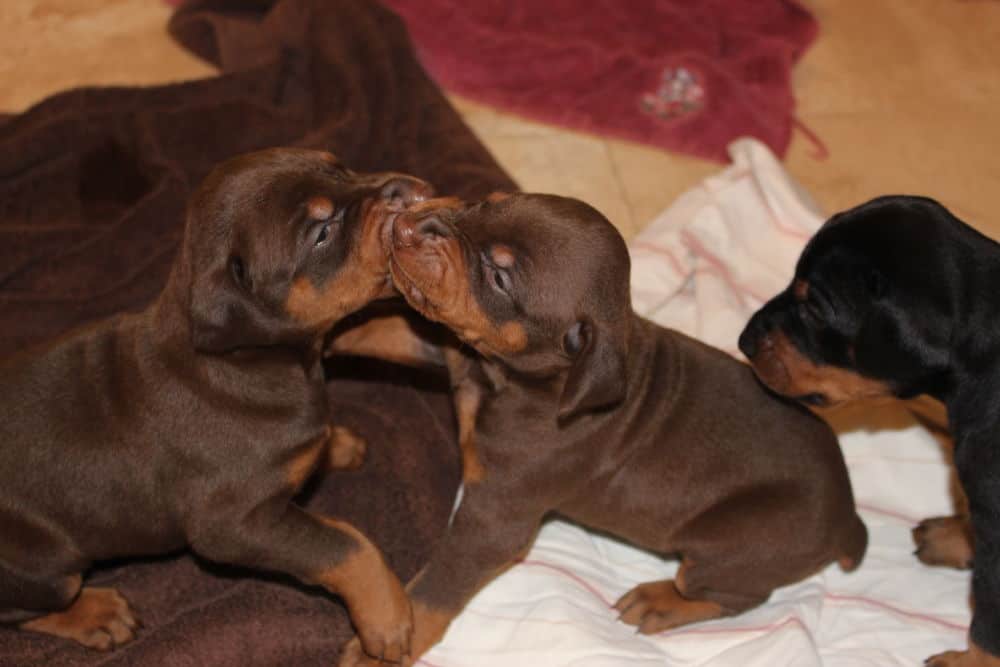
(574, 338)
(238, 270)
(500, 279)
(323, 235)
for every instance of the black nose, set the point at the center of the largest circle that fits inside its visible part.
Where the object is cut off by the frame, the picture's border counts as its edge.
(750, 338)
(405, 190)
(432, 226)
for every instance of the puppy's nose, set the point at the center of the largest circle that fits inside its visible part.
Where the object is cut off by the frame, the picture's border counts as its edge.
(405, 190)
(409, 230)
(750, 338)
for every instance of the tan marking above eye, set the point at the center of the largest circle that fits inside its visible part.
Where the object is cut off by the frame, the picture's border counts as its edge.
(502, 256)
(320, 208)
(800, 288)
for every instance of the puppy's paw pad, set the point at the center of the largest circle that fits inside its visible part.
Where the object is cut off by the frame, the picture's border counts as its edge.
(100, 618)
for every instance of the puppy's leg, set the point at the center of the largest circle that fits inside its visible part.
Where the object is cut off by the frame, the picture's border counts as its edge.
(945, 541)
(487, 536)
(979, 471)
(98, 618)
(662, 605)
(319, 550)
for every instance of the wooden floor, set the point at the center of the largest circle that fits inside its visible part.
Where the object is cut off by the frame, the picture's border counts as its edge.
(905, 94)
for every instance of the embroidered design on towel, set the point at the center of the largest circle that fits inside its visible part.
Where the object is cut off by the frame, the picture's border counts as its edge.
(680, 93)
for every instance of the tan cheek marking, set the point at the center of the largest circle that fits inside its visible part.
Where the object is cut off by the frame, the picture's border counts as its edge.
(514, 337)
(327, 156)
(358, 281)
(838, 384)
(495, 197)
(800, 289)
(319, 208)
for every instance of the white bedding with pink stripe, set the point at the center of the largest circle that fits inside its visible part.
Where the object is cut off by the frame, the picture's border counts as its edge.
(702, 267)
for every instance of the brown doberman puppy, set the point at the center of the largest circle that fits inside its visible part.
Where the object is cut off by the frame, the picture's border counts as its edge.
(587, 410)
(194, 422)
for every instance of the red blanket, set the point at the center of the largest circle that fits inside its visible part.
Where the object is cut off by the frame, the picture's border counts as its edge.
(685, 75)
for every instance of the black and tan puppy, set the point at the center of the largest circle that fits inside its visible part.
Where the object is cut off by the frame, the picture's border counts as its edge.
(194, 422)
(898, 297)
(587, 410)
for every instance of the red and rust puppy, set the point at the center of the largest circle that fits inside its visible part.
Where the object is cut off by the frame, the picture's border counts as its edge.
(194, 422)
(587, 410)
(896, 297)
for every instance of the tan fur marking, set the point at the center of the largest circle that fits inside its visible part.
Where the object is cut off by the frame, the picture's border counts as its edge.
(974, 657)
(360, 280)
(378, 604)
(467, 398)
(656, 606)
(347, 449)
(304, 462)
(945, 541)
(495, 197)
(391, 338)
(319, 208)
(502, 255)
(99, 618)
(781, 366)
(440, 273)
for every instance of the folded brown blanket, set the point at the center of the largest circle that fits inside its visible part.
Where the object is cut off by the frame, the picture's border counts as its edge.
(92, 190)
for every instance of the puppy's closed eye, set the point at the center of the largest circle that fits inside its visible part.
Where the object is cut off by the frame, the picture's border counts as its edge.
(575, 338)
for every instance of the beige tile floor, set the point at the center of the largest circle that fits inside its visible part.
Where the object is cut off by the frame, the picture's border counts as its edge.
(905, 93)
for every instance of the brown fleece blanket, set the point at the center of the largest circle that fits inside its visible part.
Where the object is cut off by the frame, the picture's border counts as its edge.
(92, 190)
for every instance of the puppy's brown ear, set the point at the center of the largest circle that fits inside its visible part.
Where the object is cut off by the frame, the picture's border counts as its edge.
(224, 315)
(598, 377)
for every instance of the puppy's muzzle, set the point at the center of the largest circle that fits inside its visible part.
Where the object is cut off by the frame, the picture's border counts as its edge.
(412, 231)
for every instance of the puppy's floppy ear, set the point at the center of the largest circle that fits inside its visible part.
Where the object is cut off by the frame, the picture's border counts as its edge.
(223, 315)
(598, 377)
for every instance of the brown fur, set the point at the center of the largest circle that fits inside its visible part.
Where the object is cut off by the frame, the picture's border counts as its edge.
(195, 422)
(607, 419)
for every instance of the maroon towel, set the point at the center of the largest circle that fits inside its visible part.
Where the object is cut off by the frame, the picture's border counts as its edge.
(685, 75)
(92, 190)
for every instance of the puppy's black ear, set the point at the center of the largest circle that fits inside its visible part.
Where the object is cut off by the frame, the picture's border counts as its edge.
(598, 377)
(223, 315)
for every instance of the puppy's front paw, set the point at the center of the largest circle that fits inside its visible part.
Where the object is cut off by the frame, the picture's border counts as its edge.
(99, 618)
(974, 657)
(658, 605)
(354, 656)
(347, 449)
(944, 541)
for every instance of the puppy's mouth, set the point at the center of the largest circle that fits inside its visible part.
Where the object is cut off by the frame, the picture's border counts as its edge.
(408, 287)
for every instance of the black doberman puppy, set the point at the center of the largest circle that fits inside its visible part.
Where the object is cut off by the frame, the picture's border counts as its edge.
(194, 422)
(574, 404)
(899, 297)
